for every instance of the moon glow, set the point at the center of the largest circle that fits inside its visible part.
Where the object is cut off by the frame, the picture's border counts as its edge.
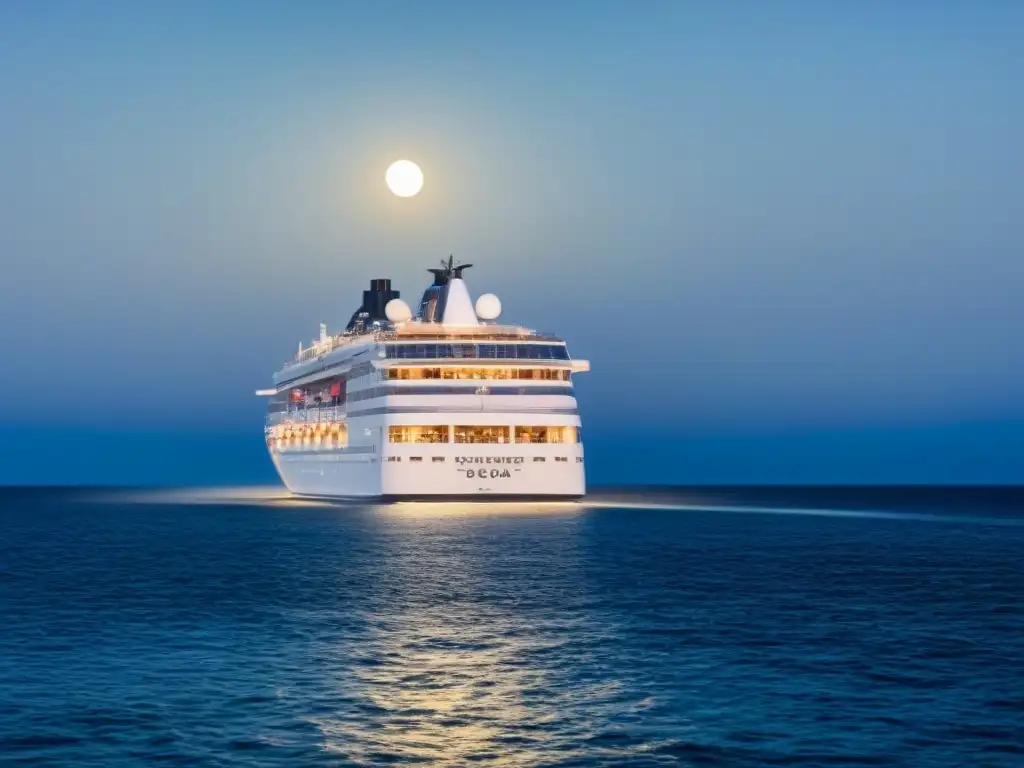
(404, 178)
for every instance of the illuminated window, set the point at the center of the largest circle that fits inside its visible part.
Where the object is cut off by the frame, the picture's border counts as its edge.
(339, 435)
(427, 434)
(492, 351)
(489, 374)
(547, 435)
(465, 434)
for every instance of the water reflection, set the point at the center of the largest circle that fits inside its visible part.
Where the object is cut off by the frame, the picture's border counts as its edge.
(277, 496)
(423, 510)
(680, 501)
(461, 659)
(288, 632)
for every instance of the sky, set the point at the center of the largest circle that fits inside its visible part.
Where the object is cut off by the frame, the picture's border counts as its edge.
(788, 236)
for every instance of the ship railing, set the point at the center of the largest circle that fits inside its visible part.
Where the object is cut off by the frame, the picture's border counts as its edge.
(389, 333)
(310, 415)
(321, 348)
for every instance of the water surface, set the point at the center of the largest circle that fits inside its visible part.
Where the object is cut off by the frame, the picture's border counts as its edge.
(233, 626)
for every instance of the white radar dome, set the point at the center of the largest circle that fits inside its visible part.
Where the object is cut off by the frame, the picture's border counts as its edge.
(397, 311)
(488, 307)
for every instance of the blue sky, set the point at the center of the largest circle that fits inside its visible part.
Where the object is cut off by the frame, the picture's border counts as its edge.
(788, 237)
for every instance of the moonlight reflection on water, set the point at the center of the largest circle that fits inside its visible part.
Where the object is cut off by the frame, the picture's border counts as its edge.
(215, 625)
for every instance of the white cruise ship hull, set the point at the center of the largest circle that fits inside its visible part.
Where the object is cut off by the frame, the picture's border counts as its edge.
(446, 405)
(438, 471)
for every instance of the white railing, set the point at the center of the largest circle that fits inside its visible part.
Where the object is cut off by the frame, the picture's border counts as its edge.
(422, 332)
(311, 415)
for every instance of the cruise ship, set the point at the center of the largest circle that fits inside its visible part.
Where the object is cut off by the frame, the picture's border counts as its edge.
(446, 402)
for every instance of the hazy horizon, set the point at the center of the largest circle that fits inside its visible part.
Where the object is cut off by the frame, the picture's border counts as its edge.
(787, 237)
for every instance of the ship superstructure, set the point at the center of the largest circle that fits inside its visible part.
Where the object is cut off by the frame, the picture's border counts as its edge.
(446, 402)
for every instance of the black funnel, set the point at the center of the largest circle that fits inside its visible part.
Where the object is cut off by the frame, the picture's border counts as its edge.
(374, 301)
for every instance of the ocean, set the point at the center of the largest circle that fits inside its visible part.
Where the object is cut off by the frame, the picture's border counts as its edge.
(714, 627)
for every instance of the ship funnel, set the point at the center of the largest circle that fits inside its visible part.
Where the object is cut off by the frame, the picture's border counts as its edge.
(447, 299)
(374, 302)
(458, 310)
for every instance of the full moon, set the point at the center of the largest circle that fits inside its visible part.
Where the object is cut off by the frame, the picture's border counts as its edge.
(404, 178)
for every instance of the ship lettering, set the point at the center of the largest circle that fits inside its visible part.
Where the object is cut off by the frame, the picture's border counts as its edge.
(484, 473)
(461, 460)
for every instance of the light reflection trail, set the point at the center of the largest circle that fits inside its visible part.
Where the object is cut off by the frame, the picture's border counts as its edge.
(276, 496)
(809, 511)
(455, 665)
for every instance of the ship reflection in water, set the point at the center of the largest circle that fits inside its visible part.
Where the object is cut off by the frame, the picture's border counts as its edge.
(214, 626)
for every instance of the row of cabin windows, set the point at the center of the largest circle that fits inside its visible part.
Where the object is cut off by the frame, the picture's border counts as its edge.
(355, 372)
(322, 435)
(479, 351)
(326, 392)
(329, 392)
(498, 374)
(334, 391)
(309, 404)
(372, 392)
(444, 433)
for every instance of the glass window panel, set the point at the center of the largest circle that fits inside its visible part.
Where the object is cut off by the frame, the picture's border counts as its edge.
(481, 434)
(434, 433)
(547, 434)
(531, 435)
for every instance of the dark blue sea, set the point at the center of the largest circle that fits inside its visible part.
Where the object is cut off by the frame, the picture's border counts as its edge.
(698, 628)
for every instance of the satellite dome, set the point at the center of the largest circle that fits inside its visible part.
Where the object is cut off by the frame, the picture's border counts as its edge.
(488, 307)
(397, 311)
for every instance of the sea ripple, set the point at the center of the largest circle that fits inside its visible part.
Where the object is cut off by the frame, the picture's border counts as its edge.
(223, 630)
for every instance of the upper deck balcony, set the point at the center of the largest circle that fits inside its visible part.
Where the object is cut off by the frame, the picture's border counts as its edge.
(417, 332)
